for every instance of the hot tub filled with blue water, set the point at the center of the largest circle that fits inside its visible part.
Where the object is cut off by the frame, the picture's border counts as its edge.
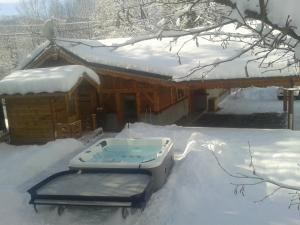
(123, 153)
(126, 152)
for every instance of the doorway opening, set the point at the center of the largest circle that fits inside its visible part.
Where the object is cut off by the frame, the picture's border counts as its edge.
(199, 101)
(130, 108)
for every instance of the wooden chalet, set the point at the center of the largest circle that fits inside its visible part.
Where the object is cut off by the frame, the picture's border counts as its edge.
(40, 109)
(126, 95)
(130, 94)
(133, 88)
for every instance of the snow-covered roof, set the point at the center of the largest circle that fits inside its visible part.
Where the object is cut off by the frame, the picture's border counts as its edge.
(35, 53)
(45, 80)
(160, 57)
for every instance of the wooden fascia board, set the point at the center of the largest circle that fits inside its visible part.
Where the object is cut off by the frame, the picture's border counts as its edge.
(34, 95)
(86, 78)
(42, 57)
(32, 61)
(92, 82)
(244, 82)
(126, 90)
(128, 76)
(75, 86)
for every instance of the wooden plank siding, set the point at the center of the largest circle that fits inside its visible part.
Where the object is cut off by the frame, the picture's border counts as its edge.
(87, 102)
(149, 97)
(35, 118)
(30, 121)
(152, 94)
(287, 81)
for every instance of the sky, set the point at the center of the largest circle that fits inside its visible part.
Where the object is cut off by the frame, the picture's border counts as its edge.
(8, 7)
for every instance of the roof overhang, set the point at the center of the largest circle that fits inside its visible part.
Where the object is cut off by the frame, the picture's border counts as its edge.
(55, 51)
(287, 81)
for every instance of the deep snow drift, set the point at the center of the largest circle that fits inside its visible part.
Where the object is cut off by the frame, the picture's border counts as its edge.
(197, 192)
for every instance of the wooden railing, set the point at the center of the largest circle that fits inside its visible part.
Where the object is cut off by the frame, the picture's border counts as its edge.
(89, 123)
(65, 130)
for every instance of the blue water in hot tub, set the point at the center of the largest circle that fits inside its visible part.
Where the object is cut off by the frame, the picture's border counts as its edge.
(130, 153)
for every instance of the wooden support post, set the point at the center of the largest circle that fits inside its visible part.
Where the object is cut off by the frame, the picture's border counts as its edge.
(156, 100)
(172, 95)
(53, 115)
(138, 105)
(285, 100)
(2, 118)
(190, 99)
(291, 110)
(119, 109)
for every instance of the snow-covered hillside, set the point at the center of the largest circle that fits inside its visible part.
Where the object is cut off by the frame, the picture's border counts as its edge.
(197, 192)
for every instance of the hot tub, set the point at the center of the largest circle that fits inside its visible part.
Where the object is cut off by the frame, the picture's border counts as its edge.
(152, 154)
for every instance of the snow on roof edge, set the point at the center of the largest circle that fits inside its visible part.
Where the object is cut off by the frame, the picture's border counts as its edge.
(45, 80)
(119, 68)
(141, 64)
(155, 57)
(33, 55)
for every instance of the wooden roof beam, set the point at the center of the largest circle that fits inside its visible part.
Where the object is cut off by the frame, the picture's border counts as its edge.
(244, 83)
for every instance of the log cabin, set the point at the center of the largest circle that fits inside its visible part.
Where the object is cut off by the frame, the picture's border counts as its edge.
(127, 94)
(49, 103)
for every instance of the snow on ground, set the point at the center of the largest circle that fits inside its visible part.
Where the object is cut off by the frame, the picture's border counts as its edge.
(20, 168)
(197, 191)
(251, 100)
(256, 100)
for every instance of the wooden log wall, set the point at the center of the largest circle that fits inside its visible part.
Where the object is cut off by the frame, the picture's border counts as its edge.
(59, 109)
(152, 94)
(33, 119)
(87, 103)
(152, 98)
(30, 121)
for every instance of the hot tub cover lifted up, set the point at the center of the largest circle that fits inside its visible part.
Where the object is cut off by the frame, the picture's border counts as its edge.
(103, 187)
